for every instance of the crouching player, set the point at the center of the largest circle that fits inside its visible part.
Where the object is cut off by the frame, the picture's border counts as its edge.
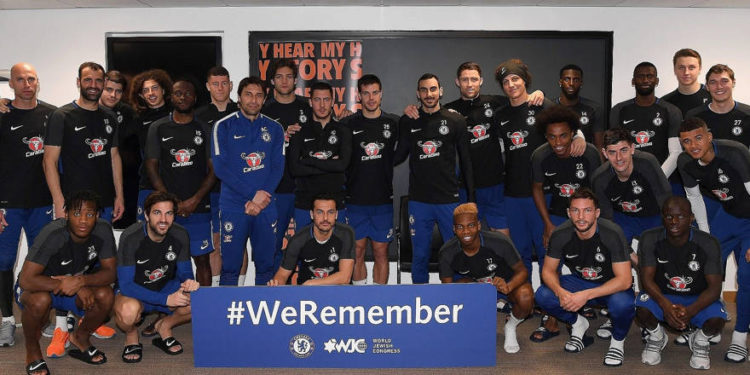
(474, 255)
(69, 267)
(155, 274)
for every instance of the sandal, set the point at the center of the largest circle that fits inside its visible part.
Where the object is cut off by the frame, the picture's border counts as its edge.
(150, 330)
(546, 334)
(88, 355)
(38, 365)
(134, 349)
(166, 344)
(588, 313)
(577, 344)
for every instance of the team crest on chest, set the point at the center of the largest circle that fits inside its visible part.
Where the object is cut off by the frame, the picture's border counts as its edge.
(722, 177)
(171, 255)
(637, 189)
(333, 138)
(584, 118)
(581, 174)
(491, 266)
(302, 117)
(333, 257)
(737, 130)
(694, 266)
(92, 252)
(488, 111)
(599, 257)
(265, 136)
(228, 226)
(443, 127)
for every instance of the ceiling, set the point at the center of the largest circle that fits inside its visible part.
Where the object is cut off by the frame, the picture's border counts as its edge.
(70, 4)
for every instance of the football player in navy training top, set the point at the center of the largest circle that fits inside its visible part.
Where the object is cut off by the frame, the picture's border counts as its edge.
(592, 119)
(690, 93)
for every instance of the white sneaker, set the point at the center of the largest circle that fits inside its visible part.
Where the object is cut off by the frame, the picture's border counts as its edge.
(651, 354)
(682, 339)
(699, 360)
(49, 330)
(7, 334)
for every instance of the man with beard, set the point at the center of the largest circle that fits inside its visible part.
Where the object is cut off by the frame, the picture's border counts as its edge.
(178, 160)
(319, 155)
(82, 141)
(722, 167)
(326, 248)
(590, 112)
(474, 255)
(292, 112)
(690, 93)
(653, 123)
(154, 274)
(25, 202)
(247, 149)
(70, 266)
(681, 278)
(595, 251)
(219, 87)
(148, 94)
(433, 140)
(726, 117)
(370, 179)
(115, 85)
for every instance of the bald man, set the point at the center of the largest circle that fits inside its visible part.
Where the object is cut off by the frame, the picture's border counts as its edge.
(25, 201)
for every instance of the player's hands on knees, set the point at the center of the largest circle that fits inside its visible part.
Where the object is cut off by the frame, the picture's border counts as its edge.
(575, 301)
(577, 147)
(536, 98)
(178, 299)
(411, 111)
(69, 285)
(672, 316)
(190, 285)
(86, 295)
(500, 285)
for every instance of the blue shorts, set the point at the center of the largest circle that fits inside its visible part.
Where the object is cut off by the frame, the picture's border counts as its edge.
(215, 212)
(148, 307)
(375, 222)
(59, 302)
(491, 205)
(32, 220)
(142, 194)
(714, 310)
(198, 227)
(634, 225)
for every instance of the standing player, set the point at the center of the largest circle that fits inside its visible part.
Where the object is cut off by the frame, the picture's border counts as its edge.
(653, 123)
(148, 94)
(722, 167)
(324, 250)
(474, 255)
(178, 160)
(319, 155)
(69, 267)
(25, 202)
(726, 117)
(219, 86)
(594, 249)
(688, 292)
(154, 274)
(630, 185)
(590, 112)
(83, 138)
(247, 149)
(433, 140)
(690, 93)
(292, 112)
(370, 179)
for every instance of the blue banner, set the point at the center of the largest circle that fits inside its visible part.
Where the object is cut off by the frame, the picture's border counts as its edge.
(451, 325)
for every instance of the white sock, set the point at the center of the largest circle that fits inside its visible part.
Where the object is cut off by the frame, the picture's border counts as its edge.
(619, 344)
(615, 344)
(379, 283)
(658, 333)
(61, 322)
(511, 341)
(739, 338)
(215, 280)
(241, 281)
(359, 282)
(11, 319)
(701, 338)
(578, 329)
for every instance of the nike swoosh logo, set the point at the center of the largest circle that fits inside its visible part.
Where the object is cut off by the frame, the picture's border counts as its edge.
(48, 212)
(463, 272)
(166, 139)
(204, 246)
(128, 351)
(357, 132)
(92, 353)
(66, 262)
(79, 129)
(549, 174)
(415, 130)
(12, 128)
(273, 225)
(142, 261)
(170, 342)
(239, 136)
(567, 256)
(310, 260)
(309, 139)
(615, 199)
(662, 261)
(628, 121)
(210, 121)
(32, 368)
(146, 123)
(504, 122)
